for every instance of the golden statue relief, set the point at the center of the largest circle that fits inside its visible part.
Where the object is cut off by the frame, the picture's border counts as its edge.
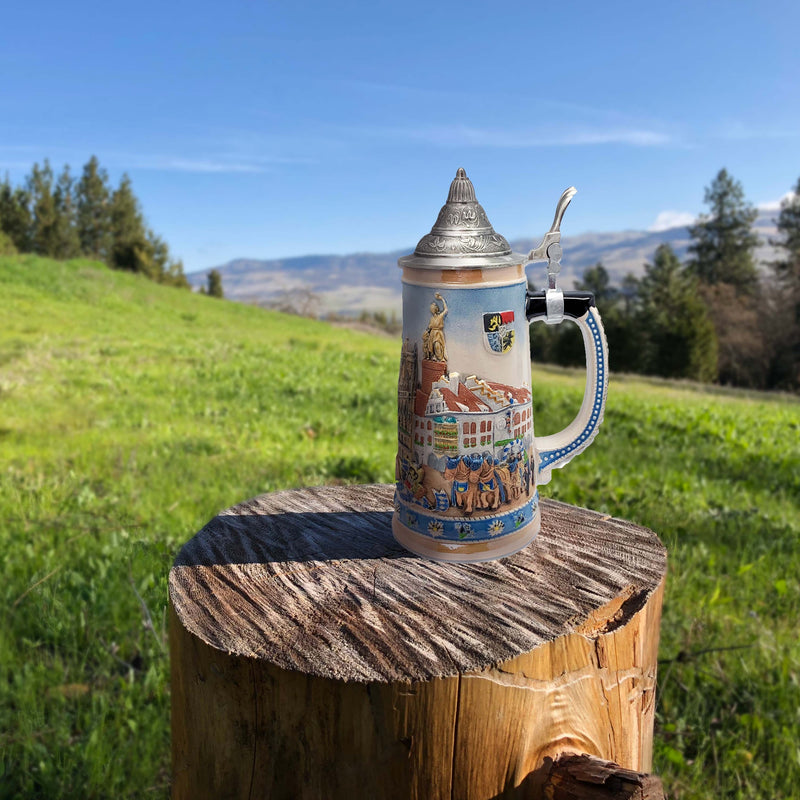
(433, 347)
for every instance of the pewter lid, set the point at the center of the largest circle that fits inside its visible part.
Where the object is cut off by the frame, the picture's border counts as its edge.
(462, 237)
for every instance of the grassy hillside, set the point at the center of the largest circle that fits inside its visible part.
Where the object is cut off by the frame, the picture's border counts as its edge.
(130, 413)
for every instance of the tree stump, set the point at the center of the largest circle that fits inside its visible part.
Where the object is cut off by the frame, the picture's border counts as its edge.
(313, 657)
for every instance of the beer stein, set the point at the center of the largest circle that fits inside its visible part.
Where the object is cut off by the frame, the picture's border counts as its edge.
(468, 463)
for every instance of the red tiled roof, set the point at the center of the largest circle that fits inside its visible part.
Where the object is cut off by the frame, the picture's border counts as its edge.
(450, 400)
(519, 393)
(464, 399)
(470, 399)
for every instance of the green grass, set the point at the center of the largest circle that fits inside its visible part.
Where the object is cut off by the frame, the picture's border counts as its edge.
(131, 413)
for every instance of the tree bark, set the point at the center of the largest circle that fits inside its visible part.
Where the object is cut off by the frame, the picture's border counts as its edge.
(313, 657)
(572, 777)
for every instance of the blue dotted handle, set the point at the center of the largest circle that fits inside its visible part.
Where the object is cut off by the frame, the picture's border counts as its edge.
(559, 449)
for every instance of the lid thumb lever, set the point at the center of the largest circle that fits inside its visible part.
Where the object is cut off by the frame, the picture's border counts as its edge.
(550, 250)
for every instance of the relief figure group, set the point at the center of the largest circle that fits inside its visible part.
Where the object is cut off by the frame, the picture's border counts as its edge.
(471, 482)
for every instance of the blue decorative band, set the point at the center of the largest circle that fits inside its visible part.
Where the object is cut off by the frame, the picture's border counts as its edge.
(548, 457)
(465, 529)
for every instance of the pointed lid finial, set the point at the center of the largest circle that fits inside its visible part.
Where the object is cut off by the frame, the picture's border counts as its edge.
(462, 236)
(461, 189)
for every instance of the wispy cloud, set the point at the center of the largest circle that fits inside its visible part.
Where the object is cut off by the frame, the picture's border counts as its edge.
(671, 219)
(220, 162)
(679, 219)
(202, 164)
(448, 95)
(740, 131)
(775, 205)
(463, 136)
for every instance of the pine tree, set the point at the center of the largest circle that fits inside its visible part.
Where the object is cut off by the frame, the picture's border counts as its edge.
(787, 269)
(92, 211)
(723, 241)
(678, 336)
(44, 233)
(66, 241)
(130, 248)
(63, 219)
(619, 322)
(215, 284)
(15, 215)
(175, 276)
(629, 293)
(159, 253)
(785, 317)
(168, 270)
(597, 281)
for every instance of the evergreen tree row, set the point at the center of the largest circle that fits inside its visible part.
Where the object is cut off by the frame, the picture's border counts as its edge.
(713, 318)
(64, 217)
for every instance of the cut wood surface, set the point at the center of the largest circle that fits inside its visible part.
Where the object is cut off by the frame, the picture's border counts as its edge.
(313, 580)
(313, 657)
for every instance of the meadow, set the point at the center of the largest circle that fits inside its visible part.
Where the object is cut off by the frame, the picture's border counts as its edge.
(131, 413)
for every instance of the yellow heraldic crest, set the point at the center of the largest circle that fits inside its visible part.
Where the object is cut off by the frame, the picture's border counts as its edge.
(498, 330)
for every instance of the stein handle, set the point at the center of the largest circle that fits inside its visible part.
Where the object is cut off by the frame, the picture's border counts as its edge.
(560, 448)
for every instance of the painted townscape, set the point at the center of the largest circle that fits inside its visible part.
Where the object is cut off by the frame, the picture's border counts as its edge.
(464, 443)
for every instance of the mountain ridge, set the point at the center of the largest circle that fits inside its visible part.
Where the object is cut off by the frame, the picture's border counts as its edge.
(350, 283)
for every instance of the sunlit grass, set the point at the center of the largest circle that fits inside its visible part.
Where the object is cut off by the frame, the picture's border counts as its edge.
(131, 413)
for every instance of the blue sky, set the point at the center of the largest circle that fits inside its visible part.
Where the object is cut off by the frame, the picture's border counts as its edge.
(267, 130)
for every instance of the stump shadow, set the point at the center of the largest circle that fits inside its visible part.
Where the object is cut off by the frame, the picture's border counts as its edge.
(293, 537)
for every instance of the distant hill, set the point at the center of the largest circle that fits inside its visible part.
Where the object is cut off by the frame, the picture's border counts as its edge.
(350, 283)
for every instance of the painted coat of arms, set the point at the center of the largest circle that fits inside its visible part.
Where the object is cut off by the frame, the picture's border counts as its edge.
(498, 330)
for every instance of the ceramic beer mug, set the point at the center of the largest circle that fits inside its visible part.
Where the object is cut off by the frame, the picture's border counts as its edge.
(468, 463)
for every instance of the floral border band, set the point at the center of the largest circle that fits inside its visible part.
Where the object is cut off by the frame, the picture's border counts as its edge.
(466, 529)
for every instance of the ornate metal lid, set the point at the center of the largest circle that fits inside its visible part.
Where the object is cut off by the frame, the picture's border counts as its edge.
(462, 237)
